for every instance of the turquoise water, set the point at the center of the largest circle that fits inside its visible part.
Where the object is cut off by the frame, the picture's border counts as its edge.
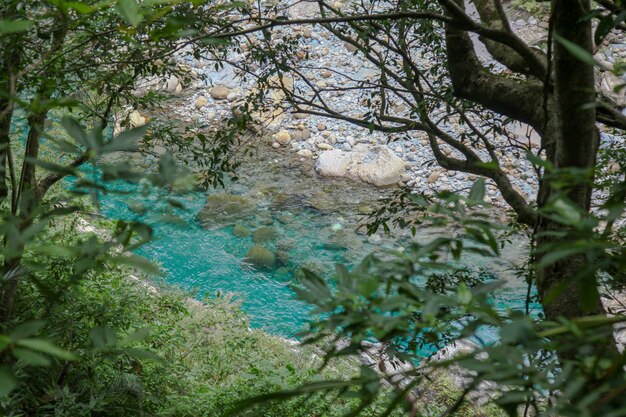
(314, 221)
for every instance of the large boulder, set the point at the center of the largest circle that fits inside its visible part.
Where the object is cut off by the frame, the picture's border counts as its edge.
(333, 163)
(261, 258)
(380, 166)
(377, 165)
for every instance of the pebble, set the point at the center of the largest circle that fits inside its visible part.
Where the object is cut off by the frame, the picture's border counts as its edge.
(201, 101)
(219, 92)
(283, 137)
(324, 146)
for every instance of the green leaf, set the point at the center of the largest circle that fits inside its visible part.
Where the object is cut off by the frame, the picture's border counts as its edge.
(47, 347)
(136, 336)
(142, 354)
(52, 167)
(477, 193)
(14, 26)
(607, 23)
(137, 262)
(31, 358)
(27, 329)
(78, 7)
(75, 130)
(129, 11)
(125, 141)
(580, 53)
(7, 382)
(558, 254)
(103, 337)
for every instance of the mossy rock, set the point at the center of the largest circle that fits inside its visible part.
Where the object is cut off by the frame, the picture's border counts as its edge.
(261, 258)
(224, 209)
(240, 230)
(264, 234)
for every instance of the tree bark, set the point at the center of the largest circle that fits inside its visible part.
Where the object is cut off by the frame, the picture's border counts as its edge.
(575, 144)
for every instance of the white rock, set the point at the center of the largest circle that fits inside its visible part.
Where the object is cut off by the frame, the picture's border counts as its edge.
(305, 152)
(201, 101)
(377, 165)
(219, 92)
(136, 119)
(283, 137)
(171, 84)
(380, 167)
(333, 163)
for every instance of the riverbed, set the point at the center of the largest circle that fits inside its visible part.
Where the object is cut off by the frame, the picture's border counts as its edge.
(301, 218)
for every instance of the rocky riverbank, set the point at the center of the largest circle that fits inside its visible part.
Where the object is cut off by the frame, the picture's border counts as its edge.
(339, 148)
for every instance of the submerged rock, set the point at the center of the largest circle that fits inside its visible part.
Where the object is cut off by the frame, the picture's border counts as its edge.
(333, 246)
(240, 230)
(223, 209)
(264, 234)
(261, 258)
(283, 257)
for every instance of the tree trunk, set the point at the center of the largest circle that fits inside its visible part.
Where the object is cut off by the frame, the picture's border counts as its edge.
(574, 141)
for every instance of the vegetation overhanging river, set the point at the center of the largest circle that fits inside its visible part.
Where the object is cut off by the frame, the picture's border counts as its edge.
(281, 205)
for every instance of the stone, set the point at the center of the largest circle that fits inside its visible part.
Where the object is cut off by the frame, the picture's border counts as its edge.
(136, 119)
(307, 33)
(275, 145)
(380, 167)
(433, 177)
(201, 101)
(333, 163)
(283, 137)
(609, 83)
(261, 258)
(282, 273)
(224, 209)
(334, 247)
(283, 257)
(219, 92)
(326, 74)
(232, 96)
(240, 230)
(615, 168)
(324, 146)
(305, 153)
(301, 134)
(171, 84)
(351, 48)
(264, 234)
(377, 165)
(321, 127)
